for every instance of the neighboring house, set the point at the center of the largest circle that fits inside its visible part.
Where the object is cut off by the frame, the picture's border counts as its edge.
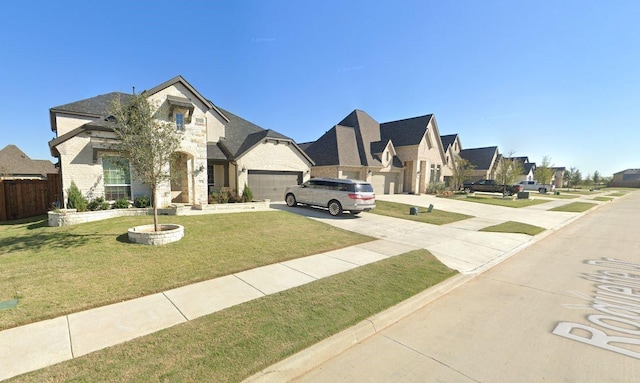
(397, 156)
(14, 164)
(219, 150)
(626, 178)
(452, 147)
(528, 169)
(557, 179)
(485, 161)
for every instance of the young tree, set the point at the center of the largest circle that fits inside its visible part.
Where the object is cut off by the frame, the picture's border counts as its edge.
(461, 171)
(146, 142)
(587, 181)
(509, 170)
(544, 172)
(576, 178)
(596, 179)
(567, 177)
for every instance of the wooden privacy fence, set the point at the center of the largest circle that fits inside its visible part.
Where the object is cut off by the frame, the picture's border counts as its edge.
(28, 198)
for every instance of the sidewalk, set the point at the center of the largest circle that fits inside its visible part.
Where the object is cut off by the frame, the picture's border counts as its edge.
(41, 344)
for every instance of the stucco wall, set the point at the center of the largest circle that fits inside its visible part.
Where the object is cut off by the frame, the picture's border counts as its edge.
(67, 122)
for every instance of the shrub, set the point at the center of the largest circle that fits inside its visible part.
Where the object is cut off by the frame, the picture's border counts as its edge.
(220, 197)
(142, 202)
(121, 203)
(247, 194)
(436, 187)
(75, 198)
(98, 204)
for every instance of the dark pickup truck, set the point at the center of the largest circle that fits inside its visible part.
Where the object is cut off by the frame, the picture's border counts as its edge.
(490, 186)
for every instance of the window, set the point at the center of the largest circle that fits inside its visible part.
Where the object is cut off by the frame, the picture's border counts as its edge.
(117, 178)
(210, 175)
(179, 117)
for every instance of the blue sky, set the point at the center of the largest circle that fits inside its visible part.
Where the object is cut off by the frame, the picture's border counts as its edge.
(548, 77)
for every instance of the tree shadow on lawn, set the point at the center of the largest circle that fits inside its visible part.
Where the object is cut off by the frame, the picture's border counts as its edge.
(49, 240)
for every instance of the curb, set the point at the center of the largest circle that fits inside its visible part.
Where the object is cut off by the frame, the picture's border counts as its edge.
(314, 356)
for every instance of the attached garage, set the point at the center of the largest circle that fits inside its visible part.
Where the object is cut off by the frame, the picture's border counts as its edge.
(384, 183)
(267, 184)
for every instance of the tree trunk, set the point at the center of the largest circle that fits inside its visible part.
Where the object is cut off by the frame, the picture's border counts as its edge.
(156, 226)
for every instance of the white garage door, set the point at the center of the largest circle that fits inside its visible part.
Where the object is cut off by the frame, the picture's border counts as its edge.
(271, 184)
(384, 183)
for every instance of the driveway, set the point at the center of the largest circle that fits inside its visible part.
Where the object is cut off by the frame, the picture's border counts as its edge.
(458, 245)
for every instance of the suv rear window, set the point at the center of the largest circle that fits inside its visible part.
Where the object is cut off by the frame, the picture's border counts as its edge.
(363, 188)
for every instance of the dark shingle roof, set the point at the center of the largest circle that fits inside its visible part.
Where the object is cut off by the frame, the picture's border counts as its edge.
(366, 130)
(335, 147)
(528, 166)
(94, 106)
(480, 157)
(405, 132)
(241, 135)
(15, 162)
(448, 140)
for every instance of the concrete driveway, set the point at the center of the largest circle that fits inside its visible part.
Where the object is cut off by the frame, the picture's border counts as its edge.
(458, 245)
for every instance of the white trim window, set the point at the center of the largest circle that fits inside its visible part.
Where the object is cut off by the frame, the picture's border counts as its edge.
(179, 118)
(117, 178)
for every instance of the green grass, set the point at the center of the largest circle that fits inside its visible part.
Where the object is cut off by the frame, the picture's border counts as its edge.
(506, 202)
(559, 196)
(574, 207)
(399, 210)
(603, 199)
(578, 191)
(60, 270)
(617, 194)
(235, 343)
(515, 227)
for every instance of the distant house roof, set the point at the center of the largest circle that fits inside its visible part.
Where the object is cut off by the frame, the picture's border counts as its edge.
(528, 167)
(15, 163)
(448, 140)
(629, 172)
(480, 157)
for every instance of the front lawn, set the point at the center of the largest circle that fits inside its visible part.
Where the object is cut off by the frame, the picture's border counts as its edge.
(59, 270)
(556, 196)
(233, 344)
(603, 199)
(399, 210)
(515, 227)
(575, 207)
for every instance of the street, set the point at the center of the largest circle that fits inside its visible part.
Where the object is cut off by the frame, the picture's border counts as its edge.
(566, 309)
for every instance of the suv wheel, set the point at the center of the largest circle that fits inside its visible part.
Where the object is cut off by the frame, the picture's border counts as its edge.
(335, 208)
(290, 199)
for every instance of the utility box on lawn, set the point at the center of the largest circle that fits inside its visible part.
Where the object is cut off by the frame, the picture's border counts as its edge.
(523, 195)
(413, 211)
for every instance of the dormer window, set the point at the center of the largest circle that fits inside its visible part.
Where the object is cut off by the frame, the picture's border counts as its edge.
(179, 118)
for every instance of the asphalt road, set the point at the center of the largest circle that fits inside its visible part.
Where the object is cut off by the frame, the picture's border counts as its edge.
(556, 312)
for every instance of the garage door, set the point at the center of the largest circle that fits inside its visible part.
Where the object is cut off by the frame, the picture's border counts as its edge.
(271, 184)
(384, 183)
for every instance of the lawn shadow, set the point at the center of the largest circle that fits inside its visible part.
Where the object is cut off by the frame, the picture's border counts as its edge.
(57, 239)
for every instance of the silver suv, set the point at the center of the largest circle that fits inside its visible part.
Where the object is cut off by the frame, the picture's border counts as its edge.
(333, 193)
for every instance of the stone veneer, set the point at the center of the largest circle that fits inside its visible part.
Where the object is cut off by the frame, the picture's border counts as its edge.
(146, 236)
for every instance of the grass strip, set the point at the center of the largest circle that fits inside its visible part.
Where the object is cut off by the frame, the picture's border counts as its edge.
(400, 210)
(515, 227)
(506, 202)
(575, 207)
(556, 196)
(617, 194)
(603, 199)
(237, 342)
(55, 271)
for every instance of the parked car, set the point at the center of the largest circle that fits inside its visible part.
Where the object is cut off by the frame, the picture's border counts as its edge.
(490, 186)
(335, 194)
(534, 185)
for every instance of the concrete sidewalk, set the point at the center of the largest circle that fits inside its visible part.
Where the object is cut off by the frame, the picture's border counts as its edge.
(460, 246)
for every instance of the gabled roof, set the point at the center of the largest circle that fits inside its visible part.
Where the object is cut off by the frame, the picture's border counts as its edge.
(406, 132)
(242, 135)
(94, 107)
(629, 172)
(14, 161)
(480, 157)
(527, 167)
(448, 140)
(185, 83)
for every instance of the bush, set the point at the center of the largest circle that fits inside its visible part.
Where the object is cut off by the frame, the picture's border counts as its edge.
(121, 203)
(436, 187)
(75, 198)
(142, 202)
(247, 194)
(98, 204)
